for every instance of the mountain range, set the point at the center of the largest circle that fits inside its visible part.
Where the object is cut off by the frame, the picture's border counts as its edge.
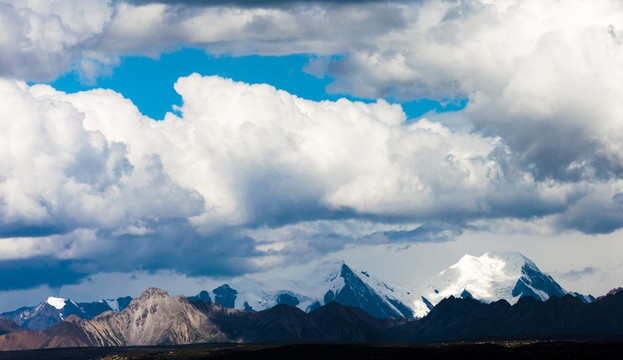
(332, 302)
(155, 318)
(488, 278)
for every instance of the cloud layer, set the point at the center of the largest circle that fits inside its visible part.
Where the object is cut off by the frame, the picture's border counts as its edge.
(535, 73)
(246, 176)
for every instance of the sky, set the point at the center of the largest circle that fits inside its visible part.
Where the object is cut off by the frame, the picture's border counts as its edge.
(171, 143)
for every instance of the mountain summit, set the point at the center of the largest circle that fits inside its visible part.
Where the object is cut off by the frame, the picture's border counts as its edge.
(313, 287)
(490, 277)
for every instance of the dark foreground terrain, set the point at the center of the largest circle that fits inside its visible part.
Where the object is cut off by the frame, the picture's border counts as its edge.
(484, 350)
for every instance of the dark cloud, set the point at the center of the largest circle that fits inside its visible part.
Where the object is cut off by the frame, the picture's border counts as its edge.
(42, 270)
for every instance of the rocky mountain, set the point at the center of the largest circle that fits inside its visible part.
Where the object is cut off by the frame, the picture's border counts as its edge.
(566, 317)
(155, 318)
(54, 310)
(488, 278)
(324, 283)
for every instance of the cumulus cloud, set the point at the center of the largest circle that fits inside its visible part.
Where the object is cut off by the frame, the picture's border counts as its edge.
(244, 175)
(42, 40)
(542, 75)
(247, 175)
(535, 73)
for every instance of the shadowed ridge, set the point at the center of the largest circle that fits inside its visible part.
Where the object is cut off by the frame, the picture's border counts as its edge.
(349, 324)
(559, 317)
(611, 292)
(63, 334)
(7, 326)
(282, 322)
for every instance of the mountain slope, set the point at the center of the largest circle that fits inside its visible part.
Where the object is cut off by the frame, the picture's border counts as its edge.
(490, 277)
(8, 326)
(63, 334)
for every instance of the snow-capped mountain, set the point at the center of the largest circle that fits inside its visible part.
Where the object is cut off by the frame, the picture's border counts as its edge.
(54, 310)
(490, 277)
(325, 282)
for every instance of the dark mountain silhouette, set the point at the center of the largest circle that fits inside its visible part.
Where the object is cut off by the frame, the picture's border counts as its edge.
(456, 319)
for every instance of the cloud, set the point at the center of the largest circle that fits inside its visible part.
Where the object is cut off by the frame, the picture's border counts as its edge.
(535, 73)
(241, 167)
(528, 69)
(41, 40)
(246, 176)
(45, 39)
(574, 275)
(250, 3)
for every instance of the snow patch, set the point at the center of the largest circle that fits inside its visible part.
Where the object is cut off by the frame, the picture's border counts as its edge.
(113, 304)
(58, 303)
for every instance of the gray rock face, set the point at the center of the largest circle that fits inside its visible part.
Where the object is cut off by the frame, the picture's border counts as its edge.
(154, 318)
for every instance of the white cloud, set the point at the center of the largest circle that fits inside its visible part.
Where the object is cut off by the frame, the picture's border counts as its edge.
(58, 176)
(42, 39)
(84, 170)
(240, 166)
(536, 73)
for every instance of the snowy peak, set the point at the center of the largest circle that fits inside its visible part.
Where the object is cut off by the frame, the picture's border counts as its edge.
(313, 286)
(490, 277)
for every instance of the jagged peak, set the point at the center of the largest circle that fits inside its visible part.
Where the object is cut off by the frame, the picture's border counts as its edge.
(154, 292)
(611, 293)
(615, 291)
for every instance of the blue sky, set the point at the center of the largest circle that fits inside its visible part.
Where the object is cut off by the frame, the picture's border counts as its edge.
(407, 131)
(137, 73)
